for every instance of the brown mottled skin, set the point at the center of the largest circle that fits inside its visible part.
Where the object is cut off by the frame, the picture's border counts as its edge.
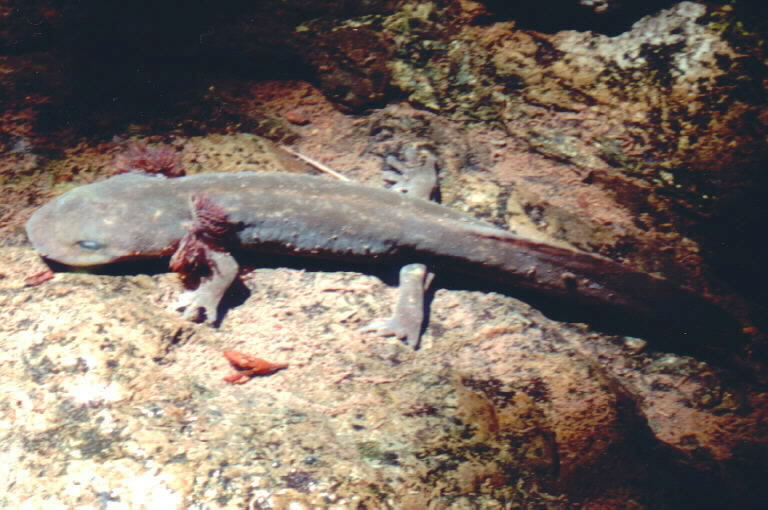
(134, 216)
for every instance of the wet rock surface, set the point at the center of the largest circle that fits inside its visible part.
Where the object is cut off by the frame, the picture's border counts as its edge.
(110, 393)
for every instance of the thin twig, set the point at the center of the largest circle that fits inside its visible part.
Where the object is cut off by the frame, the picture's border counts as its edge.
(315, 163)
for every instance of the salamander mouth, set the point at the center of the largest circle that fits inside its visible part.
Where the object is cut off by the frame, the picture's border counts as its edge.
(59, 267)
(124, 267)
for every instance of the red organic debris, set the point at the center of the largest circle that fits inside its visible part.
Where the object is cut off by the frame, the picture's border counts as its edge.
(38, 278)
(157, 159)
(249, 366)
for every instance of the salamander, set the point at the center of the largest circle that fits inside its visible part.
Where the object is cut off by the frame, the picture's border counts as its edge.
(204, 220)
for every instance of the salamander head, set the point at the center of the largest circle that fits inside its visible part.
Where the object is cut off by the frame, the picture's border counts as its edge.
(106, 222)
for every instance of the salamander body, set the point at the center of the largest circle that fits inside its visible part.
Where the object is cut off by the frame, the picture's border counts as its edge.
(136, 216)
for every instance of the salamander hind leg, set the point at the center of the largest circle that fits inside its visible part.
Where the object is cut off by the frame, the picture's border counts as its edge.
(408, 320)
(416, 174)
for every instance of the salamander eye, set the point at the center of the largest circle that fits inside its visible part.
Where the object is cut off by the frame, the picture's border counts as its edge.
(90, 245)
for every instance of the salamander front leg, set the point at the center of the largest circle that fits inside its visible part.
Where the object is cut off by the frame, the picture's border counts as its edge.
(204, 300)
(408, 320)
(203, 259)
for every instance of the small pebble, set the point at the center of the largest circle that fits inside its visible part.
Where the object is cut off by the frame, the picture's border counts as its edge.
(634, 345)
(297, 117)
